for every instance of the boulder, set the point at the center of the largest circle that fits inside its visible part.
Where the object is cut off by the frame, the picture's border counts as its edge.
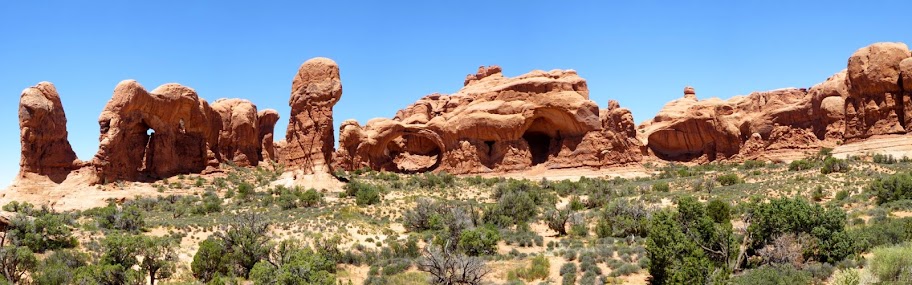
(495, 124)
(43, 133)
(238, 137)
(314, 91)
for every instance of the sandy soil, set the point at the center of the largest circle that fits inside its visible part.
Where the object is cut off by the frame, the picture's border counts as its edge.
(897, 145)
(574, 174)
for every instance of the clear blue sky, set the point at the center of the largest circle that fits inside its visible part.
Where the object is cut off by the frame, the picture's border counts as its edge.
(641, 53)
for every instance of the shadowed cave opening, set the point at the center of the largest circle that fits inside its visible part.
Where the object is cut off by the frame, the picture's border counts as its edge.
(539, 146)
(412, 153)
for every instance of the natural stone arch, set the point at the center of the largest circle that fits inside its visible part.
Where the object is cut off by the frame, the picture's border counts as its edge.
(412, 150)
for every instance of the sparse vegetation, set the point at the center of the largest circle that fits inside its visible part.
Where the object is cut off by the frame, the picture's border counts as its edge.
(674, 226)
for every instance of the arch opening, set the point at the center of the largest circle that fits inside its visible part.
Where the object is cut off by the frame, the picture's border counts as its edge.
(413, 153)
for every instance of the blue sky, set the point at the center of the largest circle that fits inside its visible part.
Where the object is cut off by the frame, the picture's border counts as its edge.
(641, 53)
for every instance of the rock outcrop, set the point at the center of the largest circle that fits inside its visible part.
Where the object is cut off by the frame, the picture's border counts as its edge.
(876, 104)
(238, 136)
(869, 98)
(171, 130)
(43, 133)
(266, 121)
(149, 135)
(309, 138)
(688, 129)
(495, 123)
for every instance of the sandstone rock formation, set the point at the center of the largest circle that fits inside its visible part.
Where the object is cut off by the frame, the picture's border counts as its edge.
(876, 104)
(495, 123)
(868, 98)
(171, 130)
(688, 129)
(238, 137)
(43, 133)
(309, 138)
(266, 121)
(149, 135)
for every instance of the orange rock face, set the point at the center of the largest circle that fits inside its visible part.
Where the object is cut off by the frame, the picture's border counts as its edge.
(869, 98)
(309, 138)
(495, 123)
(43, 133)
(266, 121)
(876, 103)
(238, 138)
(149, 135)
(171, 130)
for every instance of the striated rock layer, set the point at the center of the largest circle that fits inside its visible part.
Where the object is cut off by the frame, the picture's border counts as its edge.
(309, 137)
(43, 134)
(495, 123)
(869, 98)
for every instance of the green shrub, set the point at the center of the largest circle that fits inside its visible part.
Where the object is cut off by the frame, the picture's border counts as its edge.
(569, 279)
(728, 179)
(311, 198)
(127, 218)
(832, 164)
(892, 188)
(568, 268)
(59, 267)
(209, 260)
(245, 191)
(537, 270)
(512, 207)
(46, 231)
(295, 265)
(773, 275)
(785, 215)
(684, 245)
(893, 265)
(841, 195)
(884, 159)
(16, 261)
(623, 218)
(801, 164)
(367, 197)
(753, 164)
(883, 232)
(479, 241)
(661, 187)
(626, 269)
(364, 193)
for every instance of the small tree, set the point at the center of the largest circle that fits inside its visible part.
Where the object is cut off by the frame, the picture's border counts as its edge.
(557, 220)
(448, 267)
(209, 260)
(246, 241)
(15, 261)
(159, 256)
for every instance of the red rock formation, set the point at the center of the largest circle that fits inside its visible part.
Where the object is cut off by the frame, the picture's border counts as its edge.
(495, 124)
(238, 139)
(688, 129)
(868, 98)
(43, 133)
(309, 138)
(152, 135)
(266, 121)
(875, 104)
(171, 130)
